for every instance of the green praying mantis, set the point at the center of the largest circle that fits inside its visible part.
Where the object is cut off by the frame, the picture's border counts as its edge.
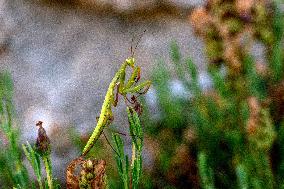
(111, 98)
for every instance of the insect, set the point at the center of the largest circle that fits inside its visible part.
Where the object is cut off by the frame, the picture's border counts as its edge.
(111, 98)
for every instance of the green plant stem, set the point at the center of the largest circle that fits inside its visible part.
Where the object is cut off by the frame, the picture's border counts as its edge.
(48, 169)
(34, 161)
(40, 184)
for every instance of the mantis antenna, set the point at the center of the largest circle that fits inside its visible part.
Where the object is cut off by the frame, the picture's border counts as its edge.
(139, 39)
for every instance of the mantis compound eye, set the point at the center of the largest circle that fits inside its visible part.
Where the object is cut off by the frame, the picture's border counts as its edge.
(130, 61)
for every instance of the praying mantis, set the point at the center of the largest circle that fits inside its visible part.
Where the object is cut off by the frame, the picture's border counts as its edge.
(111, 99)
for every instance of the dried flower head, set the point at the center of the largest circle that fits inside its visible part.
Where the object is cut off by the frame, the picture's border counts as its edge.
(254, 118)
(199, 19)
(261, 68)
(91, 174)
(244, 6)
(42, 141)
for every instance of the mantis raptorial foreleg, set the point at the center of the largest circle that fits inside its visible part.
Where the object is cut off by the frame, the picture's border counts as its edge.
(136, 89)
(134, 78)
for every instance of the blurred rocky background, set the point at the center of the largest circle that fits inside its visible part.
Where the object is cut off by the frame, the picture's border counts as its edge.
(62, 55)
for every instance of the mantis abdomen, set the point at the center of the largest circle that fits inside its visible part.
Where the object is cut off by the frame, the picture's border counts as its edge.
(106, 113)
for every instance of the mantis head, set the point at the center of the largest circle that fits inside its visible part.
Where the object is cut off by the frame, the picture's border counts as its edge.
(130, 61)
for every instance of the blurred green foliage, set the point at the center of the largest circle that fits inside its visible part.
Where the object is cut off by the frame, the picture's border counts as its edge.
(229, 136)
(12, 170)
